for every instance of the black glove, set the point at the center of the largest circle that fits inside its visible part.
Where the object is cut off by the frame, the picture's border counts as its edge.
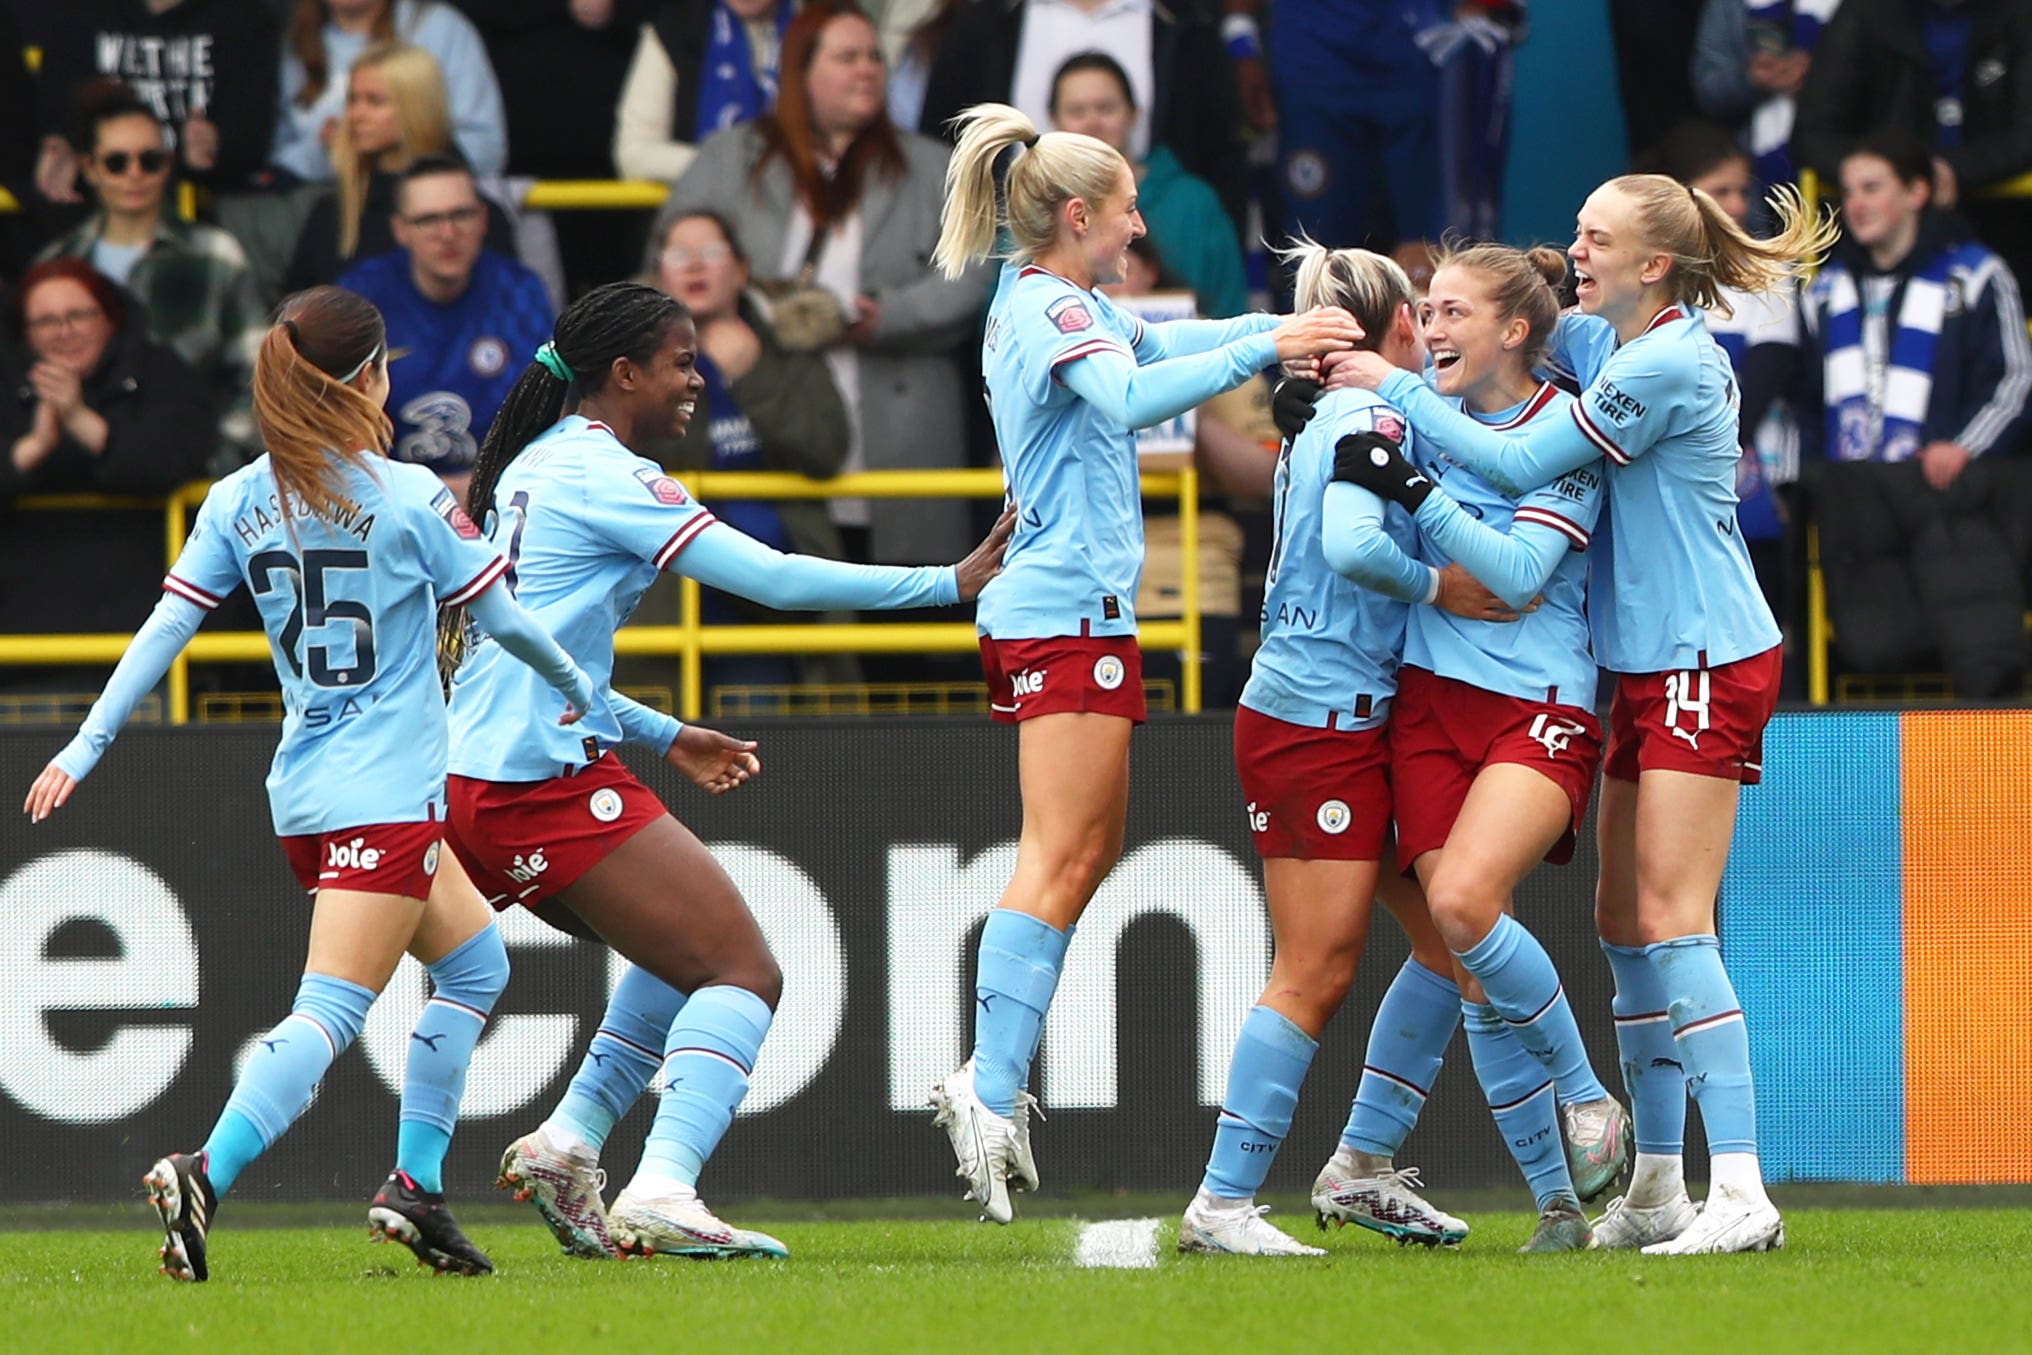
(1377, 464)
(1291, 405)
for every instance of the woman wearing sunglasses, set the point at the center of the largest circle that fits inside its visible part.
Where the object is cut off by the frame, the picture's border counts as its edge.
(195, 292)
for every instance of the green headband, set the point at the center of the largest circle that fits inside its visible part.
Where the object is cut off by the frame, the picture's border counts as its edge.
(555, 365)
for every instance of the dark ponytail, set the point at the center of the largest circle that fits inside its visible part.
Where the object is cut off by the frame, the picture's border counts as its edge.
(618, 320)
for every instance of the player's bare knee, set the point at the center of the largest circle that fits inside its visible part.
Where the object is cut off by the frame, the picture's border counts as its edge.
(1463, 913)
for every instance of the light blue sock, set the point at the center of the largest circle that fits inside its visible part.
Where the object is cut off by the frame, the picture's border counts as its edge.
(1268, 1068)
(1407, 1042)
(1518, 976)
(1652, 1072)
(1707, 1021)
(707, 1058)
(622, 1057)
(1018, 974)
(278, 1080)
(1058, 965)
(466, 984)
(1521, 1098)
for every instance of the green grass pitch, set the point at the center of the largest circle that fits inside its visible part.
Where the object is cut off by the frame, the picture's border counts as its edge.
(1848, 1280)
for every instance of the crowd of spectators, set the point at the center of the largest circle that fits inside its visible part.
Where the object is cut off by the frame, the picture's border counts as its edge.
(181, 164)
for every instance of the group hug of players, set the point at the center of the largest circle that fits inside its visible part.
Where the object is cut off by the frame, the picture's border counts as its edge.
(1458, 544)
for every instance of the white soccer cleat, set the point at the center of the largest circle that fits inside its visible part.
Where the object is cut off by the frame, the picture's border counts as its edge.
(1022, 1162)
(1728, 1222)
(1598, 1145)
(1624, 1226)
(1235, 1228)
(1387, 1201)
(681, 1225)
(565, 1188)
(984, 1142)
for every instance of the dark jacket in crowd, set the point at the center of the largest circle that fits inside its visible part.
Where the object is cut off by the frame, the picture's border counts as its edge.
(317, 259)
(557, 129)
(1871, 70)
(221, 56)
(98, 570)
(1920, 579)
(1918, 576)
(1195, 109)
(1982, 361)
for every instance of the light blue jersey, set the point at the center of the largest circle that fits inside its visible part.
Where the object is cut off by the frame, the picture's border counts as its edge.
(1672, 586)
(350, 606)
(1544, 655)
(1330, 647)
(586, 525)
(1070, 378)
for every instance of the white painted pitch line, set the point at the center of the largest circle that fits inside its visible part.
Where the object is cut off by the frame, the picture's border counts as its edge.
(1122, 1244)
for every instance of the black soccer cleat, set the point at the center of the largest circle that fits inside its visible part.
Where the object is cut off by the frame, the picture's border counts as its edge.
(182, 1194)
(404, 1212)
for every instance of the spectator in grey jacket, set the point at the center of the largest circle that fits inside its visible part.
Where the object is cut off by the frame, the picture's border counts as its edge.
(827, 165)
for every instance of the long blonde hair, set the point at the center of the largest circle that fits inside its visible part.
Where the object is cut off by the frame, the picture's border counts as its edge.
(312, 422)
(422, 118)
(1710, 251)
(1369, 286)
(1056, 168)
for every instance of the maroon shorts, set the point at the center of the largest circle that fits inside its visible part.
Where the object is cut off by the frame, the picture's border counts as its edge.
(1314, 794)
(1443, 732)
(1708, 721)
(376, 858)
(522, 841)
(1098, 673)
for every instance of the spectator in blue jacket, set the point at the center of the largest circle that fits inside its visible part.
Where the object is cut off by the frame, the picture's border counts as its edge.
(468, 318)
(1915, 333)
(1916, 371)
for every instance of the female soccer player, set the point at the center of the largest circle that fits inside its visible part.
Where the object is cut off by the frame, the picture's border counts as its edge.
(1493, 740)
(1678, 616)
(1312, 755)
(349, 557)
(1068, 385)
(541, 815)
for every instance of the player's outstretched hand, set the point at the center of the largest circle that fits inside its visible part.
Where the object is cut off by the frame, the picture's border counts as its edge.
(1323, 329)
(1377, 464)
(716, 761)
(50, 790)
(984, 562)
(1291, 405)
(1463, 594)
(572, 715)
(1357, 370)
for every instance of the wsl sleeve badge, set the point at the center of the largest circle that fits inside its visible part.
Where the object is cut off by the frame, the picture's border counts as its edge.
(446, 506)
(661, 487)
(1069, 315)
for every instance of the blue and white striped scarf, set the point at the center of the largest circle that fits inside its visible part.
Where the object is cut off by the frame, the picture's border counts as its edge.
(1852, 435)
(731, 89)
(1771, 121)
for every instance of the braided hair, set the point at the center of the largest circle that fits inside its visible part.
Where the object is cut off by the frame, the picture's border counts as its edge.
(618, 320)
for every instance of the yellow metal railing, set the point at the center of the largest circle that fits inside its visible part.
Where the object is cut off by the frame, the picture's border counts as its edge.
(691, 639)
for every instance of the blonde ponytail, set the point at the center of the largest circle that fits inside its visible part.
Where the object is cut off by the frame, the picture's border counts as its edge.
(1710, 252)
(1056, 167)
